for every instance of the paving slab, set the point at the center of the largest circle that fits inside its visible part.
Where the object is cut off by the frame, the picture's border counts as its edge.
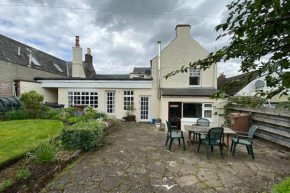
(134, 158)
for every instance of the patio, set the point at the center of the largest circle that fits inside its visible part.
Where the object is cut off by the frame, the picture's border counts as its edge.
(135, 159)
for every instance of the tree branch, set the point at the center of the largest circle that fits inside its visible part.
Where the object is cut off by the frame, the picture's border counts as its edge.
(276, 20)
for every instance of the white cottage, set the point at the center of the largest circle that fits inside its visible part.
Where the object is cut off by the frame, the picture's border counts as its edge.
(181, 99)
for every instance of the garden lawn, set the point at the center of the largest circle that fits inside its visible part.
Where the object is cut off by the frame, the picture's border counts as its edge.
(21, 136)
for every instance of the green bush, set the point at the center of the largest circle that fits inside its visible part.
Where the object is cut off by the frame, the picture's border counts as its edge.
(74, 120)
(283, 187)
(5, 184)
(19, 114)
(23, 174)
(45, 152)
(32, 101)
(83, 135)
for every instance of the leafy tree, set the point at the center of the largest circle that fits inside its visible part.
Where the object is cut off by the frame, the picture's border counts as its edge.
(259, 35)
(32, 100)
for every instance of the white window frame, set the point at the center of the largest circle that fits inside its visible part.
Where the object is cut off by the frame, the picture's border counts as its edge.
(126, 95)
(192, 74)
(69, 104)
(149, 109)
(114, 102)
(192, 119)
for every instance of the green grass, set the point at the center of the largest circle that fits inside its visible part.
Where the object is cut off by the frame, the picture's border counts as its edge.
(21, 136)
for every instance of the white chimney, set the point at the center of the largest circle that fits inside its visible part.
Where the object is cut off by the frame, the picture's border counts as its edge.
(30, 58)
(77, 62)
(183, 30)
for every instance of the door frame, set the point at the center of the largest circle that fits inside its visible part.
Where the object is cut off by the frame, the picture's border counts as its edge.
(179, 112)
(149, 109)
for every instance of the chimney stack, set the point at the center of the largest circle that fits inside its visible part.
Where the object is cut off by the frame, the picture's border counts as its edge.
(77, 61)
(222, 76)
(183, 30)
(77, 41)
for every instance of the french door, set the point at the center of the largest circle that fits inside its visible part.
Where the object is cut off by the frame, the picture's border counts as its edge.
(144, 108)
(110, 102)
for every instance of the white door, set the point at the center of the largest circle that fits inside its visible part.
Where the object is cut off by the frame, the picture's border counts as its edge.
(110, 102)
(144, 108)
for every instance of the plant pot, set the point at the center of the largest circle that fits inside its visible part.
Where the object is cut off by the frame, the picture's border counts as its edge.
(131, 118)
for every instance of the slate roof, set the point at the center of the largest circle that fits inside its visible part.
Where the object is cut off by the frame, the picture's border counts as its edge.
(9, 53)
(140, 70)
(243, 81)
(204, 91)
(123, 77)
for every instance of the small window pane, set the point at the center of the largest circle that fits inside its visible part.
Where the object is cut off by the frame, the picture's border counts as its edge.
(208, 113)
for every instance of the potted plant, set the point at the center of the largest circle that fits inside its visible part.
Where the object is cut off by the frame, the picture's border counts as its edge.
(130, 113)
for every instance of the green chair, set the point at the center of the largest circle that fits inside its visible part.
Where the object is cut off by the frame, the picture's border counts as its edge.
(246, 139)
(200, 122)
(174, 134)
(214, 138)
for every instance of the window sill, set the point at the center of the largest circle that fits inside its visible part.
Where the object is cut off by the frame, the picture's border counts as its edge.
(194, 120)
(194, 85)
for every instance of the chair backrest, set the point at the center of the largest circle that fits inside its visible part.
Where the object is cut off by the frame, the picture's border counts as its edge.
(252, 131)
(168, 126)
(202, 122)
(215, 133)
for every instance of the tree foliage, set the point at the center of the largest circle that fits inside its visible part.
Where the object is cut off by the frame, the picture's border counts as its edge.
(32, 100)
(259, 35)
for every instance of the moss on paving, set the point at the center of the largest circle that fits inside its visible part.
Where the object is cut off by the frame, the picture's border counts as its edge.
(21, 136)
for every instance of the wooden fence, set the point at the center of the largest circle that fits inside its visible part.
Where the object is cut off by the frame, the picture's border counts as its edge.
(273, 124)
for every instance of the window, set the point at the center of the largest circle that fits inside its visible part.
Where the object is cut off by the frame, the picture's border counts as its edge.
(197, 110)
(57, 67)
(194, 77)
(110, 105)
(207, 111)
(34, 61)
(192, 110)
(128, 99)
(83, 98)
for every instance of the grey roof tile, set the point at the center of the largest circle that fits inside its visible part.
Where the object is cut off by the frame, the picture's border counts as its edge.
(9, 53)
(203, 91)
(141, 69)
(243, 81)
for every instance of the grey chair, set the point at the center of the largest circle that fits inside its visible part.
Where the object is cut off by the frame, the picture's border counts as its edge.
(246, 139)
(174, 134)
(200, 122)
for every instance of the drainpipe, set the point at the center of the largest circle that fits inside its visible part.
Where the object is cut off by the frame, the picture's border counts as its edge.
(159, 79)
(158, 76)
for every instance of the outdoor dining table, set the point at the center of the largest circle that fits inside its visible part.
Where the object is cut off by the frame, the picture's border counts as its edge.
(191, 128)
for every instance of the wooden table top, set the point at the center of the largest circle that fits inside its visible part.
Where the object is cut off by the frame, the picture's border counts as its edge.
(205, 129)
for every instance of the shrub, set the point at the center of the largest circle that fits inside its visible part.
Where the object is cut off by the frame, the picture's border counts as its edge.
(45, 152)
(23, 174)
(5, 184)
(32, 100)
(19, 114)
(74, 120)
(283, 187)
(83, 135)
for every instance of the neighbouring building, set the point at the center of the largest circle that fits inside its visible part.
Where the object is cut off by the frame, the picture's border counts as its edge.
(181, 99)
(248, 85)
(20, 64)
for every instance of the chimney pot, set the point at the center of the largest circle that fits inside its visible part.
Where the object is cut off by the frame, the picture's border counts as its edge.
(77, 41)
(222, 75)
(89, 51)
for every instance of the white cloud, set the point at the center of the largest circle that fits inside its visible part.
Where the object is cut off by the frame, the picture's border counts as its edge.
(119, 41)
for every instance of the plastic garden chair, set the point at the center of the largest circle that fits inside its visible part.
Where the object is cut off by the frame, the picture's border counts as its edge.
(200, 122)
(214, 138)
(246, 139)
(174, 134)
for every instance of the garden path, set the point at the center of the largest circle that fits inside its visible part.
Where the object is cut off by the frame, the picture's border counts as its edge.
(135, 159)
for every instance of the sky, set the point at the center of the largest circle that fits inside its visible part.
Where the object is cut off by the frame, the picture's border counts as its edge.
(121, 34)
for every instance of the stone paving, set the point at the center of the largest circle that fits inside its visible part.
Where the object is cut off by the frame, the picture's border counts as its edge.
(135, 159)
